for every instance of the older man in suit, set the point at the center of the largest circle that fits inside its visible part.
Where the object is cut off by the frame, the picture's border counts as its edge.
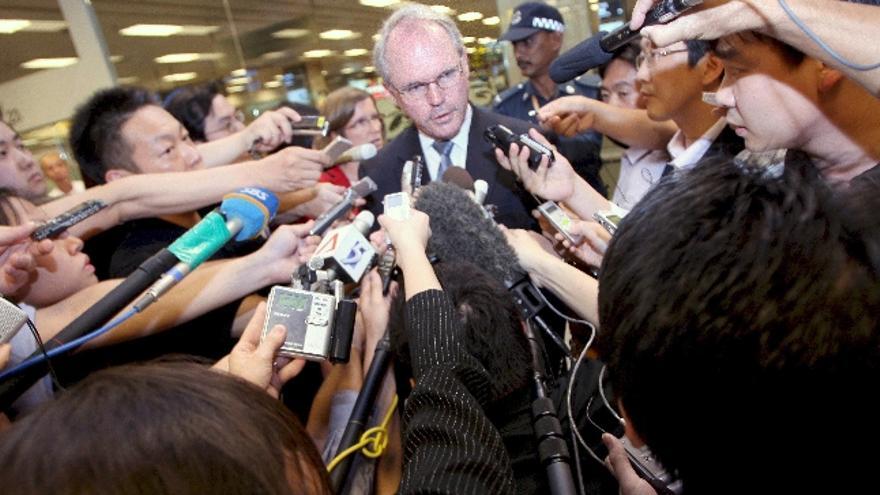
(421, 57)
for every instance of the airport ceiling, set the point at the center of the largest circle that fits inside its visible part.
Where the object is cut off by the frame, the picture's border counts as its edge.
(257, 22)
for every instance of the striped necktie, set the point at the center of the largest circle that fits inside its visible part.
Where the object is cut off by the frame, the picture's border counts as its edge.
(445, 149)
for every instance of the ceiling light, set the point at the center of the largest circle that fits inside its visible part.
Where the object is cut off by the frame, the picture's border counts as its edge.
(116, 58)
(324, 72)
(190, 30)
(594, 7)
(180, 77)
(127, 80)
(356, 52)
(369, 68)
(273, 55)
(234, 89)
(151, 30)
(468, 39)
(273, 84)
(9, 26)
(239, 73)
(492, 21)
(339, 34)
(45, 26)
(348, 70)
(163, 30)
(442, 9)
(318, 53)
(470, 16)
(486, 40)
(471, 49)
(379, 3)
(182, 58)
(290, 33)
(49, 63)
(236, 81)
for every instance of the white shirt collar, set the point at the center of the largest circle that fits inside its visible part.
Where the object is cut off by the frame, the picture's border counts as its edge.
(458, 155)
(687, 157)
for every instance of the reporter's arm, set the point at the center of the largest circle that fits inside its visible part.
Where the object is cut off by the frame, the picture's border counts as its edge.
(576, 289)
(210, 286)
(266, 133)
(629, 126)
(148, 195)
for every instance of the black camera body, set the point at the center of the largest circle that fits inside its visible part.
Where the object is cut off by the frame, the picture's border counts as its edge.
(502, 137)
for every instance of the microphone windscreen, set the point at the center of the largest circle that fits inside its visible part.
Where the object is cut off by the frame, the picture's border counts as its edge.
(583, 57)
(461, 232)
(459, 177)
(363, 222)
(363, 152)
(254, 207)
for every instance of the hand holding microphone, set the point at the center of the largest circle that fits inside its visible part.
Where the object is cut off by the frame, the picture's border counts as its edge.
(357, 153)
(600, 48)
(270, 130)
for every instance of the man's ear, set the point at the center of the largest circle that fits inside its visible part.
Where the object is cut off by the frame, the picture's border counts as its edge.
(115, 174)
(713, 70)
(557, 40)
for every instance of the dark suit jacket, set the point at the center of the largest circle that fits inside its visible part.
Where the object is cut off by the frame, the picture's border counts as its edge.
(513, 203)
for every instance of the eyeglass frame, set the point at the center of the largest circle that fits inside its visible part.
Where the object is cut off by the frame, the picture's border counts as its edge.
(654, 54)
(414, 90)
(237, 116)
(363, 122)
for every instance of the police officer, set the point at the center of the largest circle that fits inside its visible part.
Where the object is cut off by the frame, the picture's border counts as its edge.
(536, 33)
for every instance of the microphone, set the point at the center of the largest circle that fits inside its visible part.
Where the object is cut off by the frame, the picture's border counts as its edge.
(600, 48)
(193, 247)
(460, 231)
(357, 154)
(346, 251)
(459, 177)
(243, 214)
(359, 189)
(481, 189)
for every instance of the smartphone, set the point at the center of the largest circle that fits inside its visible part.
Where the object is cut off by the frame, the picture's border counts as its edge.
(58, 225)
(559, 220)
(397, 205)
(608, 220)
(337, 147)
(12, 319)
(311, 125)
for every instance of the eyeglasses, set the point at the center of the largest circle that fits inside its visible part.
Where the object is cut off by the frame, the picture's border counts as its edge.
(418, 90)
(228, 124)
(653, 55)
(363, 122)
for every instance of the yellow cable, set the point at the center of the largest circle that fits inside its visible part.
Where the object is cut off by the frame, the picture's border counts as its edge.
(375, 437)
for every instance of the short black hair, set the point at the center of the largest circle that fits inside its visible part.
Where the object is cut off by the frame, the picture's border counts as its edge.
(96, 130)
(161, 428)
(191, 105)
(739, 324)
(491, 324)
(696, 50)
(628, 53)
